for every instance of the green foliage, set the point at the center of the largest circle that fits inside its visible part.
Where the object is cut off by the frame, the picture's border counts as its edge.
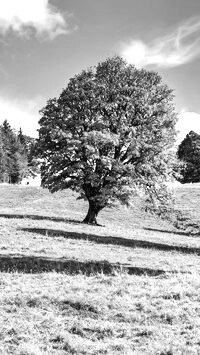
(108, 136)
(189, 154)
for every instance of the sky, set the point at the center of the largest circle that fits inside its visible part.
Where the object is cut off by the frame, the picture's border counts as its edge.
(43, 43)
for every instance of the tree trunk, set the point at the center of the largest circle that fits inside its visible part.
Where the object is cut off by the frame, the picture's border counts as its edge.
(93, 211)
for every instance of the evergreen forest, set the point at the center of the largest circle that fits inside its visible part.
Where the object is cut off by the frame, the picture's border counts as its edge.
(17, 155)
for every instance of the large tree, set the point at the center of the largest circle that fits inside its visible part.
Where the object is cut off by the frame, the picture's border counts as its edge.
(189, 154)
(109, 136)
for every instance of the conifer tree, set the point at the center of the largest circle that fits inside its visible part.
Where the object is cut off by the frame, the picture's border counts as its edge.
(21, 138)
(8, 153)
(2, 158)
(13, 155)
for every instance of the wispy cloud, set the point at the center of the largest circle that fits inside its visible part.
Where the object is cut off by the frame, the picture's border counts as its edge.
(176, 48)
(27, 17)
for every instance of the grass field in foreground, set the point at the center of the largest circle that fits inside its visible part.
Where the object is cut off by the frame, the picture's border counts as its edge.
(131, 287)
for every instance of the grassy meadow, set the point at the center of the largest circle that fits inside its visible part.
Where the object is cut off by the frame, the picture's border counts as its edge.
(131, 286)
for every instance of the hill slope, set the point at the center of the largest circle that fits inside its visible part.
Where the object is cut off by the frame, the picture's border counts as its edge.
(130, 287)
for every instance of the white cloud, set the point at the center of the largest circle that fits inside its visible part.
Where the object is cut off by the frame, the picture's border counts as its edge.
(25, 17)
(188, 121)
(176, 48)
(21, 113)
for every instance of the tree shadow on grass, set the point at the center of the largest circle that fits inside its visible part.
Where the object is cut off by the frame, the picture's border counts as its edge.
(194, 234)
(110, 240)
(38, 217)
(34, 264)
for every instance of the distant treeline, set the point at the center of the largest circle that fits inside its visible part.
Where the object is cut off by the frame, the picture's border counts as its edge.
(189, 154)
(17, 155)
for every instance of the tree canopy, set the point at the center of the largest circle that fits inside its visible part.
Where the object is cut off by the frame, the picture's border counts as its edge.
(109, 136)
(189, 153)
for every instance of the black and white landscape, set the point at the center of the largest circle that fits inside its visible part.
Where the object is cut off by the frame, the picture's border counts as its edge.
(99, 177)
